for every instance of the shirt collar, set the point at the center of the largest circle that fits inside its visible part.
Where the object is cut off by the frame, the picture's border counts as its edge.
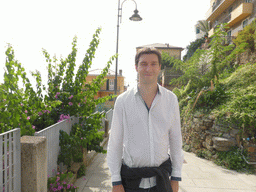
(159, 90)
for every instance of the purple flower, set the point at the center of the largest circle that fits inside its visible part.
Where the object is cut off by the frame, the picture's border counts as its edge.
(48, 176)
(68, 186)
(70, 103)
(71, 97)
(33, 126)
(28, 118)
(26, 111)
(82, 138)
(58, 178)
(64, 182)
(21, 104)
(56, 96)
(40, 113)
(57, 93)
(60, 187)
(84, 178)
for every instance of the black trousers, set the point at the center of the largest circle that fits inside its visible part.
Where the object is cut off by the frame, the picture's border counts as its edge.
(153, 189)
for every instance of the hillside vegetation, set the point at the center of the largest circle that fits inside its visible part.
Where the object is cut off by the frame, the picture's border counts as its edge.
(221, 81)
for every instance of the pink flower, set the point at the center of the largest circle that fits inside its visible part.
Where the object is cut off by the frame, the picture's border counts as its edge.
(68, 186)
(71, 97)
(33, 127)
(56, 96)
(70, 103)
(4, 99)
(57, 93)
(21, 104)
(82, 138)
(84, 178)
(40, 113)
(26, 111)
(64, 182)
(58, 178)
(28, 118)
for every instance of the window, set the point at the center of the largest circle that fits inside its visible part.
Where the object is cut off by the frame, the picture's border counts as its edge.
(197, 30)
(111, 84)
(230, 10)
(248, 1)
(245, 22)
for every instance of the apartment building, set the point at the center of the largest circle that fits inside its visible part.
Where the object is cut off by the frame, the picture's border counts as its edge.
(108, 87)
(237, 13)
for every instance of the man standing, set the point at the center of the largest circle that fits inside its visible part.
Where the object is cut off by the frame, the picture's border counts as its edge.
(145, 145)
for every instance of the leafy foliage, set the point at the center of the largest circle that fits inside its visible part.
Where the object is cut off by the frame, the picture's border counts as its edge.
(66, 94)
(191, 49)
(247, 37)
(233, 159)
(169, 61)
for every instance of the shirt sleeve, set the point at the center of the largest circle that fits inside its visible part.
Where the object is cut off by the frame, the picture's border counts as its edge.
(175, 139)
(115, 143)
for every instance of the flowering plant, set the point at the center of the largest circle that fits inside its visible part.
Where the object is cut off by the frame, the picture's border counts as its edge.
(58, 183)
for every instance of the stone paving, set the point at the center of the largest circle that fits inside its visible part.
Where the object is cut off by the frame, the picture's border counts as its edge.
(198, 175)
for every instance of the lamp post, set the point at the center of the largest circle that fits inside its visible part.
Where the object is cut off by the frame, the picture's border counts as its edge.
(134, 17)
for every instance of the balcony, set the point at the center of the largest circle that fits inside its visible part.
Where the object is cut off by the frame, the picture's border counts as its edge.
(217, 9)
(240, 13)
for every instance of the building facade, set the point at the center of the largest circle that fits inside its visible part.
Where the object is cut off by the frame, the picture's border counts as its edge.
(108, 88)
(237, 13)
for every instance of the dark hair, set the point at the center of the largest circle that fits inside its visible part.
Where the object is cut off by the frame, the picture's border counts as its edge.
(147, 50)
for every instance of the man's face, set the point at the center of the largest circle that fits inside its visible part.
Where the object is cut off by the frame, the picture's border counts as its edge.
(148, 68)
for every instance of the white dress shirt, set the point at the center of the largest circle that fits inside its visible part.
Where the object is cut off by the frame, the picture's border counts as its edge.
(145, 138)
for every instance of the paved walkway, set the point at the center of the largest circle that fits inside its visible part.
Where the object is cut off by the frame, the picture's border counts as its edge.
(198, 175)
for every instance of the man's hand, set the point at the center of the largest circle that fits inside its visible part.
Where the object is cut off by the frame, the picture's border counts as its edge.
(175, 186)
(118, 188)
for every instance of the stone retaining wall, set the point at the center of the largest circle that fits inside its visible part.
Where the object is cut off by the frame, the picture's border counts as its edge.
(202, 132)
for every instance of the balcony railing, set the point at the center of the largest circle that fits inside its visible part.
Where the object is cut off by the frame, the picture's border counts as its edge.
(216, 4)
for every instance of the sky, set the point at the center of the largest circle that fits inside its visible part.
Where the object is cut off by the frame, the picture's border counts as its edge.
(29, 26)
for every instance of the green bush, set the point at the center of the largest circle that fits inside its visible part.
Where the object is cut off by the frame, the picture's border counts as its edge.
(233, 159)
(204, 153)
(81, 171)
(247, 37)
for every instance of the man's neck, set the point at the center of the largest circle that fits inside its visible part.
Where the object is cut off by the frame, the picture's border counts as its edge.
(148, 89)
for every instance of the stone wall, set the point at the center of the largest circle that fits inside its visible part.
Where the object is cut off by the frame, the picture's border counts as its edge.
(202, 132)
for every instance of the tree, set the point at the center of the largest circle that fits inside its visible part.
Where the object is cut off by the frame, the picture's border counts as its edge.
(204, 26)
(191, 49)
(168, 61)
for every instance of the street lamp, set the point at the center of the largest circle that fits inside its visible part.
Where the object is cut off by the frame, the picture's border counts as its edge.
(134, 17)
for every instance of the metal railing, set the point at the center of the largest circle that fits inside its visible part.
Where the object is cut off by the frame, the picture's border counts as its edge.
(10, 161)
